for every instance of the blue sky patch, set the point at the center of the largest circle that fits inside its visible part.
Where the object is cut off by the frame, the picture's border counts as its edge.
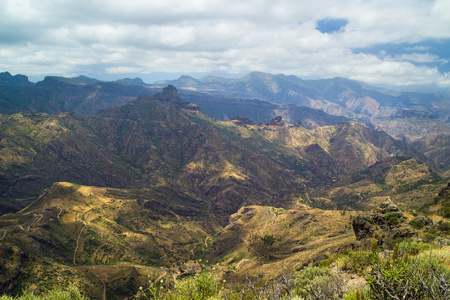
(331, 25)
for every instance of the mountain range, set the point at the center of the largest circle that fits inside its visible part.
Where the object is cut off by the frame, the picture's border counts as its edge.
(163, 139)
(106, 183)
(419, 118)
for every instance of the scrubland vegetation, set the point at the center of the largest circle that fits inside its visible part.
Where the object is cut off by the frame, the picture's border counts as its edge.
(411, 270)
(159, 201)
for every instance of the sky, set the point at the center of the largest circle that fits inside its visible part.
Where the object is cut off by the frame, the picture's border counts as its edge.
(380, 42)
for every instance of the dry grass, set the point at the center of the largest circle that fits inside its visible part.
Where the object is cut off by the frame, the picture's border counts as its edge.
(302, 235)
(408, 171)
(442, 255)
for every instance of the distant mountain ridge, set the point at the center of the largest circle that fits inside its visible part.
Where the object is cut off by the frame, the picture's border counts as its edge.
(81, 95)
(315, 93)
(337, 96)
(85, 96)
(414, 117)
(165, 140)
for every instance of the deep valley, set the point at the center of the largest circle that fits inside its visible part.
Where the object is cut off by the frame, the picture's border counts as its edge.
(104, 185)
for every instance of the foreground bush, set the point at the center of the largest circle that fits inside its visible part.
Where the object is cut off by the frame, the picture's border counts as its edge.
(356, 261)
(71, 293)
(201, 286)
(417, 278)
(318, 283)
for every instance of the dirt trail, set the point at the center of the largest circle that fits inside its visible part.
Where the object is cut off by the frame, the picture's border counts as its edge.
(160, 277)
(38, 217)
(248, 245)
(206, 241)
(274, 216)
(242, 261)
(78, 241)
(60, 211)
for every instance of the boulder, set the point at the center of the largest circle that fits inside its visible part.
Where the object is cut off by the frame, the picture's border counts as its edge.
(363, 227)
(388, 206)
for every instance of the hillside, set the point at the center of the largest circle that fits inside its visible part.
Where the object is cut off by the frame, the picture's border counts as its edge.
(74, 232)
(412, 117)
(86, 96)
(150, 187)
(108, 240)
(164, 140)
(406, 116)
(80, 95)
(336, 96)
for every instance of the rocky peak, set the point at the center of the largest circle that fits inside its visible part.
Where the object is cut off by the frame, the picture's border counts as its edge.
(170, 94)
(17, 80)
(170, 91)
(242, 120)
(277, 121)
(129, 81)
(388, 206)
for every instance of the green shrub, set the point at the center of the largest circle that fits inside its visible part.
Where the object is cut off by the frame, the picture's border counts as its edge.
(430, 236)
(445, 212)
(374, 246)
(392, 217)
(318, 283)
(360, 294)
(414, 248)
(306, 276)
(264, 246)
(437, 257)
(409, 279)
(70, 293)
(395, 252)
(417, 224)
(356, 261)
(155, 291)
(199, 287)
(444, 227)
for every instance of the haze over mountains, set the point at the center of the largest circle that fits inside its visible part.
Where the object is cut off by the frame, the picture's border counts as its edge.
(166, 140)
(187, 169)
(338, 96)
(422, 118)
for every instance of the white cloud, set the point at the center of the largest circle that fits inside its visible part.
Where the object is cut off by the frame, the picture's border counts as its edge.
(421, 58)
(417, 48)
(124, 70)
(120, 37)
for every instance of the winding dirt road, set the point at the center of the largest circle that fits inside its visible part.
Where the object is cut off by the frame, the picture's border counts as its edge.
(78, 241)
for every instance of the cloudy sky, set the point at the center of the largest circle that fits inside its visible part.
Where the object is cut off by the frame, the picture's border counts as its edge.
(382, 42)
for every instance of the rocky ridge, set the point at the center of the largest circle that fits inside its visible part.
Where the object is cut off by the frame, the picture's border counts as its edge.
(388, 225)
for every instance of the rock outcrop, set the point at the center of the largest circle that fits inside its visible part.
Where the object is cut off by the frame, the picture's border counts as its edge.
(277, 121)
(387, 223)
